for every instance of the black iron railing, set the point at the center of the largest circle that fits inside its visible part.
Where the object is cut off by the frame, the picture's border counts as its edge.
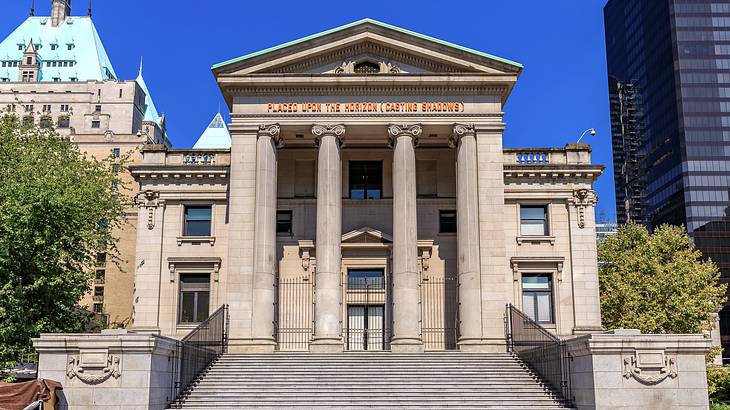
(198, 350)
(542, 351)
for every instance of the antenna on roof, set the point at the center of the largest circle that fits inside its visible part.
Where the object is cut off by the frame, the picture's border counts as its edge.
(32, 8)
(89, 8)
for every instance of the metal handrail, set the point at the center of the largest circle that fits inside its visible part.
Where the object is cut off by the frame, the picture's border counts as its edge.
(545, 353)
(199, 349)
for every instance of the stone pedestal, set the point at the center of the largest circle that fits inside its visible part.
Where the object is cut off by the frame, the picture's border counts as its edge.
(624, 369)
(328, 291)
(406, 291)
(262, 320)
(113, 370)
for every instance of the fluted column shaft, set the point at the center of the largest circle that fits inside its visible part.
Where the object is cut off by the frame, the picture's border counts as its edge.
(262, 327)
(467, 228)
(328, 292)
(406, 290)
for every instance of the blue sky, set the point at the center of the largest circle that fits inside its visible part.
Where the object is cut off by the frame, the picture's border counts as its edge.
(562, 90)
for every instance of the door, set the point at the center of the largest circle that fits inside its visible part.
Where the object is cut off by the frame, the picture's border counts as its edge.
(365, 330)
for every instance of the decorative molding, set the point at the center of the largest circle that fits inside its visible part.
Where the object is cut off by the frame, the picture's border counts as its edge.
(305, 251)
(151, 200)
(425, 247)
(412, 130)
(583, 198)
(272, 131)
(649, 367)
(535, 239)
(460, 131)
(93, 367)
(520, 263)
(195, 240)
(335, 130)
(350, 90)
(194, 263)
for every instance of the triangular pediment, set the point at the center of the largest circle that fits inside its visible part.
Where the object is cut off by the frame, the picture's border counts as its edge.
(366, 235)
(386, 48)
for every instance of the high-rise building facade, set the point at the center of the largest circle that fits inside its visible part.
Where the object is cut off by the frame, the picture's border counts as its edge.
(55, 72)
(669, 84)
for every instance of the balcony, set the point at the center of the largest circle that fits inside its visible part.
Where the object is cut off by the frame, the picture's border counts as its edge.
(572, 154)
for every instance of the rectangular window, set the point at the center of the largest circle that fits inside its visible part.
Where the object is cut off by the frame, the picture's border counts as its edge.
(366, 179)
(97, 108)
(197, 220)
(64, 107)
(194, 302)
(116, 168)
(537, 297)
(284, 222)
(116, 152)
(533, 221)
(99, 291)
(447, 221)
(365, 279)
(98, 308)
(63, 122)
(46, 108)
(95, 124)
(100, 277)
(29, 60)
(28, 108)
(46, 122)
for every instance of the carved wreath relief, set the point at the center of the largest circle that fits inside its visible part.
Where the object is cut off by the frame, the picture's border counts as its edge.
(650, 367)
(91, 371)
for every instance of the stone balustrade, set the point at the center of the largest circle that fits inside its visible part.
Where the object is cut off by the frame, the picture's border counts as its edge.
(159, 155)
(571, 154)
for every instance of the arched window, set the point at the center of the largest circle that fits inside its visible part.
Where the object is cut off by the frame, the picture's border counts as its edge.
(367, 67)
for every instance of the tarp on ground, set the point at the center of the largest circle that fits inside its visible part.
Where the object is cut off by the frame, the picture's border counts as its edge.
(16, 396)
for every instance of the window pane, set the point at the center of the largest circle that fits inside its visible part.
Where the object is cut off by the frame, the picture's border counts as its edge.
(532, 212)
(195, 282)
(528, 304)
(366, 179)
(202, 306)
(198, 213)
(360, 279)
(284, 222)
(187, 307)
(533, 228)
(197, 220)
(447, 221)
(536, 282)
(197, 228)
(544, 307)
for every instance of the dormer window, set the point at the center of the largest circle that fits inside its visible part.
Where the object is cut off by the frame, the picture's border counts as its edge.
(367, 67)
(70, 46)
(20, 47)
(29, 60)
(54, 46)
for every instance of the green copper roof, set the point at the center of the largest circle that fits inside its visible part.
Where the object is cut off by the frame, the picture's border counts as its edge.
(72, 51)
(361, 22)
(150, 111)
(215, 136)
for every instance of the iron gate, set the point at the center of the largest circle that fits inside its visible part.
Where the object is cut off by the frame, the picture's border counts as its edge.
(439, 312)
(367, 314)
(294, 313)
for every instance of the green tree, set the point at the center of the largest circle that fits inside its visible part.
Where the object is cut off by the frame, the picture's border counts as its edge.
(657, 283)
(58, 208)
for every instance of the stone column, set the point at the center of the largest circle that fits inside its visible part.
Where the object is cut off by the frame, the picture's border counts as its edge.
(406, 290)
(262, 326)
(467, 237)
(148, 271)
(328, 292)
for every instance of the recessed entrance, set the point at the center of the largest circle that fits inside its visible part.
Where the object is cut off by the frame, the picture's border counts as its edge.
(365, 327)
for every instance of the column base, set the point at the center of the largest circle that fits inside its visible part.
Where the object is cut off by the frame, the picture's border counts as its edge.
(327, 346)
(406, 345)
(482, 345)
(251, 346)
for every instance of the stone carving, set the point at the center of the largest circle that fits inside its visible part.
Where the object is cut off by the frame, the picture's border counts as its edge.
(348, 67)
(459, 131)
(273, 131)
(151, 200)
(395, 131)
(651, 367)
(583, 198)
(336, 130)
(90, 370)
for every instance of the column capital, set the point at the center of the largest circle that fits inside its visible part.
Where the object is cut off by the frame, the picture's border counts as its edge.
(323, 130)
(272, 131)
(459, 131)
(404, 130)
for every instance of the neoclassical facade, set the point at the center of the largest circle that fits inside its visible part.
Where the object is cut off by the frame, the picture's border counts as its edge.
(366, 203)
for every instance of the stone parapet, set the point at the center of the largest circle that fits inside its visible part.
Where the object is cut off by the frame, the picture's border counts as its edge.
(625, 369)
(116, 369)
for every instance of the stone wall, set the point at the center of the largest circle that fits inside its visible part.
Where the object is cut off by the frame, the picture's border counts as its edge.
(113, 370)
(624, 369)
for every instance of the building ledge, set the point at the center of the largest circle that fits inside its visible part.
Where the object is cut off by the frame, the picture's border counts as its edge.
(195, 240)
(535, 239)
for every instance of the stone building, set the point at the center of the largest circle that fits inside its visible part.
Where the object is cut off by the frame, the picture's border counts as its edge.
(366, 203)
(55, 72)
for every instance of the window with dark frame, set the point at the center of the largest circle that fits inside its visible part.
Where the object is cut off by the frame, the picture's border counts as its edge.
(537, 297)
(95, 124)
(533, 221)
(197, 220)
(365, 279)
(366, 179)
(367, 67)
(116, 152)
(194, 300)
(447, 221)
(284, 222)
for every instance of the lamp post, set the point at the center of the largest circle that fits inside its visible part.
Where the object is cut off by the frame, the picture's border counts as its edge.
(592, 131)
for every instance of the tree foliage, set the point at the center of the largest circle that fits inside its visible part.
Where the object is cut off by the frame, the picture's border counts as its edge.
(57, 210)
(657, 283)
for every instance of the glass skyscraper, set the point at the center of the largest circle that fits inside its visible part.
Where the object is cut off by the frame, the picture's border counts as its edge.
(669, 85)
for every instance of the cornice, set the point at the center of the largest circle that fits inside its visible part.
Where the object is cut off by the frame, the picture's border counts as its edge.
(349, 90)
(551, 172)
(203, 172)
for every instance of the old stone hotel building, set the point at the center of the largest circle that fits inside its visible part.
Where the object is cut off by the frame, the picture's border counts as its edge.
(366, 203)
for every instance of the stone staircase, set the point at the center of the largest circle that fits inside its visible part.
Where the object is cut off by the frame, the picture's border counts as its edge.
(369, 380)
